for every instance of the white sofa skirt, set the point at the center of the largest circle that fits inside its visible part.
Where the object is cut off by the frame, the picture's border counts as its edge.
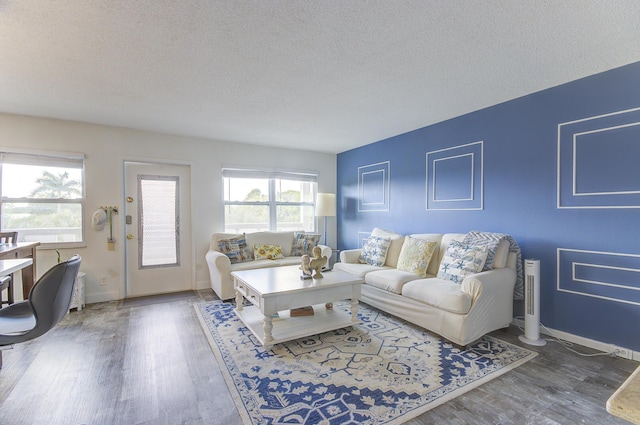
(460, 329)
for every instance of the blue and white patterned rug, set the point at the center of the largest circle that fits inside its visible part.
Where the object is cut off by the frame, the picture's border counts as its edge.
(383, 371)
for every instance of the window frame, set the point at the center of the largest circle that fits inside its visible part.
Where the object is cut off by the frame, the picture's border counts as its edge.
(48, 158)
(271, 176)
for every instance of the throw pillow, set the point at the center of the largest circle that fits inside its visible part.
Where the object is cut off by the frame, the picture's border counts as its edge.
(304, 243)
(416, 255)
(497, 247)
(374, 251)
(267, 252)
(235, 248)
(462, 260)
(397, 240)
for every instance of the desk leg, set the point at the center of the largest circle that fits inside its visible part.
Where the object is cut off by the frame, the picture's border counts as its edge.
(27, 281)
(28, 276)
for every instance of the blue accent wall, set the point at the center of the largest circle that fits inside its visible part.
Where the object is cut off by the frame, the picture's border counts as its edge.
(557, 170)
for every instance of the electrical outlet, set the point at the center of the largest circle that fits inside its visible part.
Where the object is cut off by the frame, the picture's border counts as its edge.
(622, 352)
(103, 280)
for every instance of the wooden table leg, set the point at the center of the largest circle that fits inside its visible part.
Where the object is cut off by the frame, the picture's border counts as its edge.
(27, 281)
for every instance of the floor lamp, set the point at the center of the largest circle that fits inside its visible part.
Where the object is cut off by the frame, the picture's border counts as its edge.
(325, 207)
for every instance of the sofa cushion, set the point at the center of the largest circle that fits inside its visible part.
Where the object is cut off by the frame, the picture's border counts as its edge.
(391, 280)
(235, 248)
(394, 248)
(374, 251)
(415, 255)
(461, 260)
(282, 238)
(250, 265)
(357, 269)
(304, 243)
(440, 293)
(267, 252)
(289, 261)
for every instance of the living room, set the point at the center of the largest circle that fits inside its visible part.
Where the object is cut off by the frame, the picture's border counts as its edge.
(522, 181)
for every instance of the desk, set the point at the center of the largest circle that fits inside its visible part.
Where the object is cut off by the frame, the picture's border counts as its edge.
(22, 250)
(9, 267)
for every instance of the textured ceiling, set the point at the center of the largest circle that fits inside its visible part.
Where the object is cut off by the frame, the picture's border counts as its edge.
(326, 75)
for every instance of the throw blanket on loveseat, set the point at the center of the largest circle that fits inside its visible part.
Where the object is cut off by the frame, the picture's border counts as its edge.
(492, 240)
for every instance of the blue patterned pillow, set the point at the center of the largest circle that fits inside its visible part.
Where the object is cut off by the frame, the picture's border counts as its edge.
(304, 243)
(462, 260)
(236, 249)
(374, 251)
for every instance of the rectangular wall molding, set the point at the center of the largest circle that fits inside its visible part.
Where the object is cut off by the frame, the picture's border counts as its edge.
(455, 177)
(604, 275)
(597, 167)
(373, 187)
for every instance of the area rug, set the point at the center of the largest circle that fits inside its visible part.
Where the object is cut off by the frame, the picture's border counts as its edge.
(382, 371)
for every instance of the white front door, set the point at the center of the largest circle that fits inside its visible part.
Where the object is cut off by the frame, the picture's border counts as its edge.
(158, 228)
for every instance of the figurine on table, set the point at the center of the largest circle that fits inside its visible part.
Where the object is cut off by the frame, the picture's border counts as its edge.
(306, 267)
(318, 262)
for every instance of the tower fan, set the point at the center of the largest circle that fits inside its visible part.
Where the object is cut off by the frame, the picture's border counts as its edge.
(532, 303)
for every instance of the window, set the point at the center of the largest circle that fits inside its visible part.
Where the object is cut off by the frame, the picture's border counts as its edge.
(43, 197)
(159, 210)
(258, 200)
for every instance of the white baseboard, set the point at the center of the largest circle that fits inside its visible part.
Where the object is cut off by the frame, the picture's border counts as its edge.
(605, 347)
(102, 297)
(204, 284)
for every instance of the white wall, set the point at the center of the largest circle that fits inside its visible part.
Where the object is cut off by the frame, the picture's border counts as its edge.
(107, 147)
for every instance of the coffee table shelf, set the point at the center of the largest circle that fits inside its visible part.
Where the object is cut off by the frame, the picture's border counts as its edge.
(274, 290)
(289, 328)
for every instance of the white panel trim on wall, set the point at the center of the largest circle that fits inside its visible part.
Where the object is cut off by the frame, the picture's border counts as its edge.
(575, 165)
(599, 261)
(475, 200)
(384, 169)
(569, 133)
(433, 188)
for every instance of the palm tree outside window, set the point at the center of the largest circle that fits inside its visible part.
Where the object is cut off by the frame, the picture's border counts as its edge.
(43, 197)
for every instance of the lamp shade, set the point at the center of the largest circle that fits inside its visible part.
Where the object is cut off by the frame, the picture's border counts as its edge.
(325, 205)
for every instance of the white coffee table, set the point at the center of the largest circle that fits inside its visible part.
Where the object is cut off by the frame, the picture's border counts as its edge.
(277, 289)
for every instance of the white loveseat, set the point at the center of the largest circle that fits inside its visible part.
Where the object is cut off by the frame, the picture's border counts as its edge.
(220, 266)
(460, 312)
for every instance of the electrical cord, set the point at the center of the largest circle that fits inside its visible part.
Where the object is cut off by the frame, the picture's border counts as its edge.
(566, 344)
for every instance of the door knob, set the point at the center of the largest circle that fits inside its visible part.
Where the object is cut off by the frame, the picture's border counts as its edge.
(129, 236)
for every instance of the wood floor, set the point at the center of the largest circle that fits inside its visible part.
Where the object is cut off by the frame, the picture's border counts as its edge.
(151, 364)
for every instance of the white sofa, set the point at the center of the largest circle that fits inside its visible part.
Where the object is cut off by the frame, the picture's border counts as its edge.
(461, 313)
(220, 266)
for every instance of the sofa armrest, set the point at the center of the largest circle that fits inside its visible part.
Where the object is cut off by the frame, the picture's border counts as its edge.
(350, 255)
(491, 285)
(326, 252)
(220, 274)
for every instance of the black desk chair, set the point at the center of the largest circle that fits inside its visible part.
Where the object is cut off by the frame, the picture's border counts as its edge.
(48, 303)
(6, 282)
